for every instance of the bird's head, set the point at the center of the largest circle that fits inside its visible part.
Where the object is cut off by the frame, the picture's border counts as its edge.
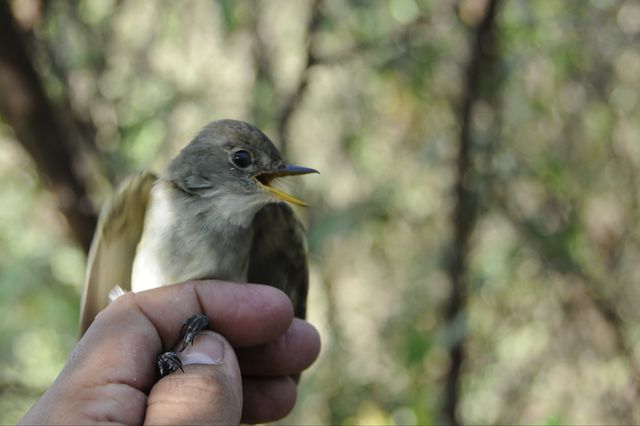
(233, 160)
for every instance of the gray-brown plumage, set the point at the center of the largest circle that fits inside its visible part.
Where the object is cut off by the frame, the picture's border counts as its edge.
(211, 214)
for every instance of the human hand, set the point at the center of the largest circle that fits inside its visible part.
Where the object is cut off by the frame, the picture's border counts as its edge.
(111, 377)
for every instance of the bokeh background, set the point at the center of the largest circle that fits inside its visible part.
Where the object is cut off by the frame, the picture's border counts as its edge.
(473, 236)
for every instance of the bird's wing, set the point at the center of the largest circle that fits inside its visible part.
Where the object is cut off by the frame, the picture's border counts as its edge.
(114, 245)
(279, 254)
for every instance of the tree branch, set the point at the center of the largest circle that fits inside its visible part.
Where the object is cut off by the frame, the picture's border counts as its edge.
(25, 107)
(466, 207)
(294, 99)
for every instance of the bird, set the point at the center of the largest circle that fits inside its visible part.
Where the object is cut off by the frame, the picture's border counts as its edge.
(211, 214)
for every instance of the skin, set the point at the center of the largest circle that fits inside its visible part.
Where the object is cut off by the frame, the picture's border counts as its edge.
(244, 376)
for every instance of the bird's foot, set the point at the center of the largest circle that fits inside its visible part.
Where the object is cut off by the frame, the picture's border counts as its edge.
(168, 362)
(191, 328)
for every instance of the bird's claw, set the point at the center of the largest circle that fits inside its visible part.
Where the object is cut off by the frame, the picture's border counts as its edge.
(190, 329)
(168, 362)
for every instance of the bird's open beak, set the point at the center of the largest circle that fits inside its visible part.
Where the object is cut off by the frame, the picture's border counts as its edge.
(264, 181)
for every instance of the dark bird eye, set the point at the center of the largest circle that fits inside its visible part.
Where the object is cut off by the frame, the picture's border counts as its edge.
(241, 158)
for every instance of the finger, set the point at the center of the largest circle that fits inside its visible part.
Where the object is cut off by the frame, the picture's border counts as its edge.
(208, 392)
(113, 366)
(122, 343)
(291, 353)
(246, 314)
(267, 399)
(112, 403)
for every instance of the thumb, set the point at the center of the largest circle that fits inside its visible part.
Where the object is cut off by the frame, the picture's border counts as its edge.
(208, 392)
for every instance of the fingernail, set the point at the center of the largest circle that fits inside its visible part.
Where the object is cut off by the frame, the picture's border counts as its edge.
(207, 348)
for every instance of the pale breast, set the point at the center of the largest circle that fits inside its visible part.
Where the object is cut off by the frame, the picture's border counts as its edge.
(189, 242)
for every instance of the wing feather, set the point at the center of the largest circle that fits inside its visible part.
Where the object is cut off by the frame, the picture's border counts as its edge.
(114, 245)
(279, 254)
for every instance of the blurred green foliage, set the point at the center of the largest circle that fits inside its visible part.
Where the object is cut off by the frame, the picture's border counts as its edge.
(550, 329)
